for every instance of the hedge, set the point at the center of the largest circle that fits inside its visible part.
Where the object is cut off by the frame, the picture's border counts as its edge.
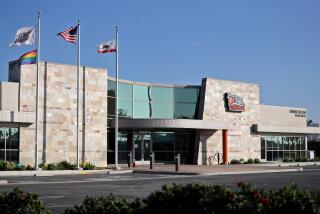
(188, 199)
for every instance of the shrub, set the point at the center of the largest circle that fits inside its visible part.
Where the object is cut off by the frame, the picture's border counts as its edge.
(5, 165)
(29, 167)
(235, 161)
(256, 160)
(301, 159)
(206, 198)
(18, 201)
(65, 165)
(20, 167)
(87, 166)
(249, 161)
(103, 205)
(288, 160)
(241, 160)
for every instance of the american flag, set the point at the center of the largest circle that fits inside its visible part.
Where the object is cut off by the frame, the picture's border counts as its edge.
(70, 35)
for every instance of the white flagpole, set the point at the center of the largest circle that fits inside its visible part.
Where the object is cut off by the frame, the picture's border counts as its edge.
(116, 108)
(78, 93)
(37, 96)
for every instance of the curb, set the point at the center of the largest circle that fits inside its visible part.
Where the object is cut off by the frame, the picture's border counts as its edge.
(3, 182)
(293, 164)
(50, 173)
(165, 172)
(119, 172)
(219, 173)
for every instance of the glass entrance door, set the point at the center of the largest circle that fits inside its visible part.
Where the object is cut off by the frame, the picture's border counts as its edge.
(142, 146)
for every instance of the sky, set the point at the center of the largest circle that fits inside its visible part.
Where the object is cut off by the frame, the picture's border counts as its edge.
(273, 43)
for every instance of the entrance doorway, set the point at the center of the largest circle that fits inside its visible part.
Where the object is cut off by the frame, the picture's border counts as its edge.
(142, 146)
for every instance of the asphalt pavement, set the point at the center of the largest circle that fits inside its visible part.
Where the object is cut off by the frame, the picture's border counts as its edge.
(61, 192)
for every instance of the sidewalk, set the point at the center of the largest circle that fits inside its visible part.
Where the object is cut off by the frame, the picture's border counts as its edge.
(215, 169)
(62, 172)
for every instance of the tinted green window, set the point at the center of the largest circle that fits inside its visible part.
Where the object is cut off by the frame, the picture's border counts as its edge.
(111, 88)
(141, 93)
(125, 91)
(185, 110)
(2, 142)
(125, 108)
(162, 110)
(111, 106)
(13, 138)
(141, 109)
(162, 94)
(186, 94)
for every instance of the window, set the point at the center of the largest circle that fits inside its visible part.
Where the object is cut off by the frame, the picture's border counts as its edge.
(281, 147)
(9, 144)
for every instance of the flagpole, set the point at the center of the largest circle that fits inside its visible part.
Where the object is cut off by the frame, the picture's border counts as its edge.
(78, 92)
(116, 107)
(37, 95)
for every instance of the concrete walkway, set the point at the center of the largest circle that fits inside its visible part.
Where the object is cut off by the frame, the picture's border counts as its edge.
(170, 169)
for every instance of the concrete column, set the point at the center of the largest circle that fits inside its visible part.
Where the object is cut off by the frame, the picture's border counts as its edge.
(225, 146)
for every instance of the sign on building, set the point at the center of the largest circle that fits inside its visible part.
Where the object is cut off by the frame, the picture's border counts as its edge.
(234, 103)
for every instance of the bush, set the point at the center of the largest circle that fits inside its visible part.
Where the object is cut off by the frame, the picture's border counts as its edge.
(256, 160)
(206, 198)
(20, 167)
(18, 201)
(235, 161)
(8, 166)
(249, 161)
(288, 160)
(301, 159)
(87, 166)
(63, 165)
(104, 205)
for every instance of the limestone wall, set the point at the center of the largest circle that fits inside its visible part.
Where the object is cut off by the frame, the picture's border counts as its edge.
(243, 142)
(58, 113)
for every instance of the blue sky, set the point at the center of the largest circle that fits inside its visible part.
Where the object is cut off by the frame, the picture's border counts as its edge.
(273, 43)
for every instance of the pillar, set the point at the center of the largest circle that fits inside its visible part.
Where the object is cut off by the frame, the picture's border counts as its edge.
(225, 146)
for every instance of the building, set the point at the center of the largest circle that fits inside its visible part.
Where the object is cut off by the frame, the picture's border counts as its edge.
(197, 122)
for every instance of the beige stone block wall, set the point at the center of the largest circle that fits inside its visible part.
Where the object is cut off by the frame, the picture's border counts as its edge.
(243, 142)
(58, 113)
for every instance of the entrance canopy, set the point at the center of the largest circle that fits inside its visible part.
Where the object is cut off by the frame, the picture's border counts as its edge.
(128, 123)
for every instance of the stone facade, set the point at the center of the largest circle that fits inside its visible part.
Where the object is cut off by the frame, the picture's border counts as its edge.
(243, 142)
(58, 113)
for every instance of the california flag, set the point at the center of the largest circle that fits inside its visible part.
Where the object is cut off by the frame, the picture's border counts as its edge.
(107, 47)
(24, 36)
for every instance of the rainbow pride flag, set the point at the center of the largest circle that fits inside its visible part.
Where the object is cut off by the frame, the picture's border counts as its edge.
(29, 58)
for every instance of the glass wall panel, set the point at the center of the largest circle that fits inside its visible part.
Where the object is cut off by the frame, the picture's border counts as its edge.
(186, 95)
(163, 141)
(125, 108)
(125, 91)
(111, 106)
(269, 156)
(2, 141)
(141, 93)
(303, 143)
(185, 110)
(9, 141)
(162, 110)
(141, 109)
(13, 138)
(283, 147)
(291, 143)
(162, 94)
(285, 141)
(111, 88)
(275, 155)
